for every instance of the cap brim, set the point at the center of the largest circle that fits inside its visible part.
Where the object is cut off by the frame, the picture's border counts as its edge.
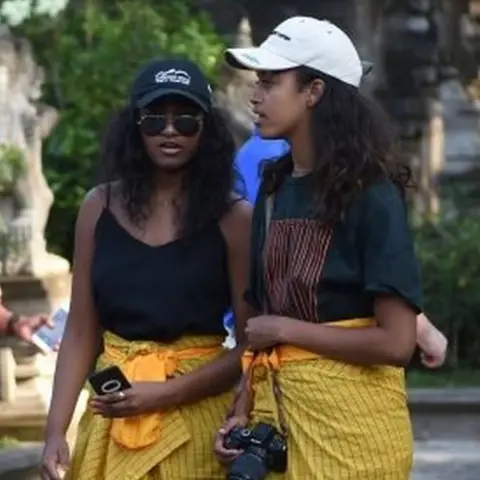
(150, 97)
(257, 58)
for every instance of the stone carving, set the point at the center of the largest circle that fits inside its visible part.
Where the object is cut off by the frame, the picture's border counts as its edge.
(234, 96)
(462, 131)
(414, 65)
(24, 123)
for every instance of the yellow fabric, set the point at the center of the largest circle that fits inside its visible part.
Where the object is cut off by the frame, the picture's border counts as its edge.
(145, 362)
(289, 353)
(344, 421)
(175, 444)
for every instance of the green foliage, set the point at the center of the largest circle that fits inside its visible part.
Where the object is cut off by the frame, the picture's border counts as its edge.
(11, 166)
(453, 378)
(449, 251)
(91, 54)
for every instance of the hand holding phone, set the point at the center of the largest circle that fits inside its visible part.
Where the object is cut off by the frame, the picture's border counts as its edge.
(138, 399)
(47, 338)
(109, 380)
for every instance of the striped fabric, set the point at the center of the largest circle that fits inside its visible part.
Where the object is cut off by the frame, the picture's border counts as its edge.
(295, 252)
(185, 448)
(345, 421)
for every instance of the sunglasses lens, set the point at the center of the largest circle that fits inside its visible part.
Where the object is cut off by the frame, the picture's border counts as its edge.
(153, 125)
(186, 125)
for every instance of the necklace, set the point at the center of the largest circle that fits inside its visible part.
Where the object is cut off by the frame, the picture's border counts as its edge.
(301, 172)
(166, 202)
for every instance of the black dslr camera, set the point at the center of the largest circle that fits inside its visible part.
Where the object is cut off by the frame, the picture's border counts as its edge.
(264, 450)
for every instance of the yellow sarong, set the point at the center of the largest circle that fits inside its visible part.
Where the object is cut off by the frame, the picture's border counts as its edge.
(173, 445)
(344, 421)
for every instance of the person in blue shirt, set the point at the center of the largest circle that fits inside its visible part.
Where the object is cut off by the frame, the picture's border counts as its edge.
(249, 159)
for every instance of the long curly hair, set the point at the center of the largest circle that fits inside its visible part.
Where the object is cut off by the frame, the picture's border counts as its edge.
(211, 175)
(354, 143)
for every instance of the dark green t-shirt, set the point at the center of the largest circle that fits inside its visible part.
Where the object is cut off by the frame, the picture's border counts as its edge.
(323, 274)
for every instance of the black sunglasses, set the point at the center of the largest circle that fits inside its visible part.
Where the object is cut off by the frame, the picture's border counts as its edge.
(184, 124)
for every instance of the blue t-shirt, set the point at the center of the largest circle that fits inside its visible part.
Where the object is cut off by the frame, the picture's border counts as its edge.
(249, 158)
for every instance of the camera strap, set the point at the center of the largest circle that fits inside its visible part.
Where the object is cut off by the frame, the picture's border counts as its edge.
(269, 202)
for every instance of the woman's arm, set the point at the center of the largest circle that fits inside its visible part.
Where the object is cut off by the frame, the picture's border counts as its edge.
(391, 281)
(221, 374)
(392, 342)
(82, 334)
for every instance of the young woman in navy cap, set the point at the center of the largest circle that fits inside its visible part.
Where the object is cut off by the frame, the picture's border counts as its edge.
(161, 253)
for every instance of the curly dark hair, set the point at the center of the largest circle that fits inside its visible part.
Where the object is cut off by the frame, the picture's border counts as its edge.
(355, 145)
(211, 175)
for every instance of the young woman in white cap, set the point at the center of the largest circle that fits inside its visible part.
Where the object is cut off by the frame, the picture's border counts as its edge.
(334, 277)
(161, 253)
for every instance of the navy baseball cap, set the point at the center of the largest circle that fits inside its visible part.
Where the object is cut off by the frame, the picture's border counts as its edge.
(171, 77)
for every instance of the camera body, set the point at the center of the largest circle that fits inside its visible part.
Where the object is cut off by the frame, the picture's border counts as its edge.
(264, 450)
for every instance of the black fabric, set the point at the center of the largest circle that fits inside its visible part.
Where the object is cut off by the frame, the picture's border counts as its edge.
(159, 293)
(171, 77)
(370, 253)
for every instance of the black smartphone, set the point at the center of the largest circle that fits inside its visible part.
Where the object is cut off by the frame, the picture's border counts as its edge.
(109, 380)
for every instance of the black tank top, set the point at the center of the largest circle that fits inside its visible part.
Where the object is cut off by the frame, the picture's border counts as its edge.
(159, 293)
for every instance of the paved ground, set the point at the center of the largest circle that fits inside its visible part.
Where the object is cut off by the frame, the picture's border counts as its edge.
(447, 460)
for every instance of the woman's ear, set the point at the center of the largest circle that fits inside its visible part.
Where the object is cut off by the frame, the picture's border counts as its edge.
(315, 93)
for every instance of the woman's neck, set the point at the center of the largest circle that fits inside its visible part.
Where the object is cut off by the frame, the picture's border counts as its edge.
(168, 187)
(302, 150)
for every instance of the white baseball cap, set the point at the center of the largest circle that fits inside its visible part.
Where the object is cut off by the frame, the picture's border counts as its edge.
(303, 41)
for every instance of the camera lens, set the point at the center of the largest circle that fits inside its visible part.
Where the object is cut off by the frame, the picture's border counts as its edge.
(250, 465)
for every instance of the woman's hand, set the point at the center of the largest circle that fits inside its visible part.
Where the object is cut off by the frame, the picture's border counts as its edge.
(432, 342)
(239, 418)
(25, 327)
(142, 397)
(434, 349)
(225, 456)
(266, 331)
(55, 458)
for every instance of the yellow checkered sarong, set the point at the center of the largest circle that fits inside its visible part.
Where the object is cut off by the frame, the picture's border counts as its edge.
(344, 421)
(173, 445)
